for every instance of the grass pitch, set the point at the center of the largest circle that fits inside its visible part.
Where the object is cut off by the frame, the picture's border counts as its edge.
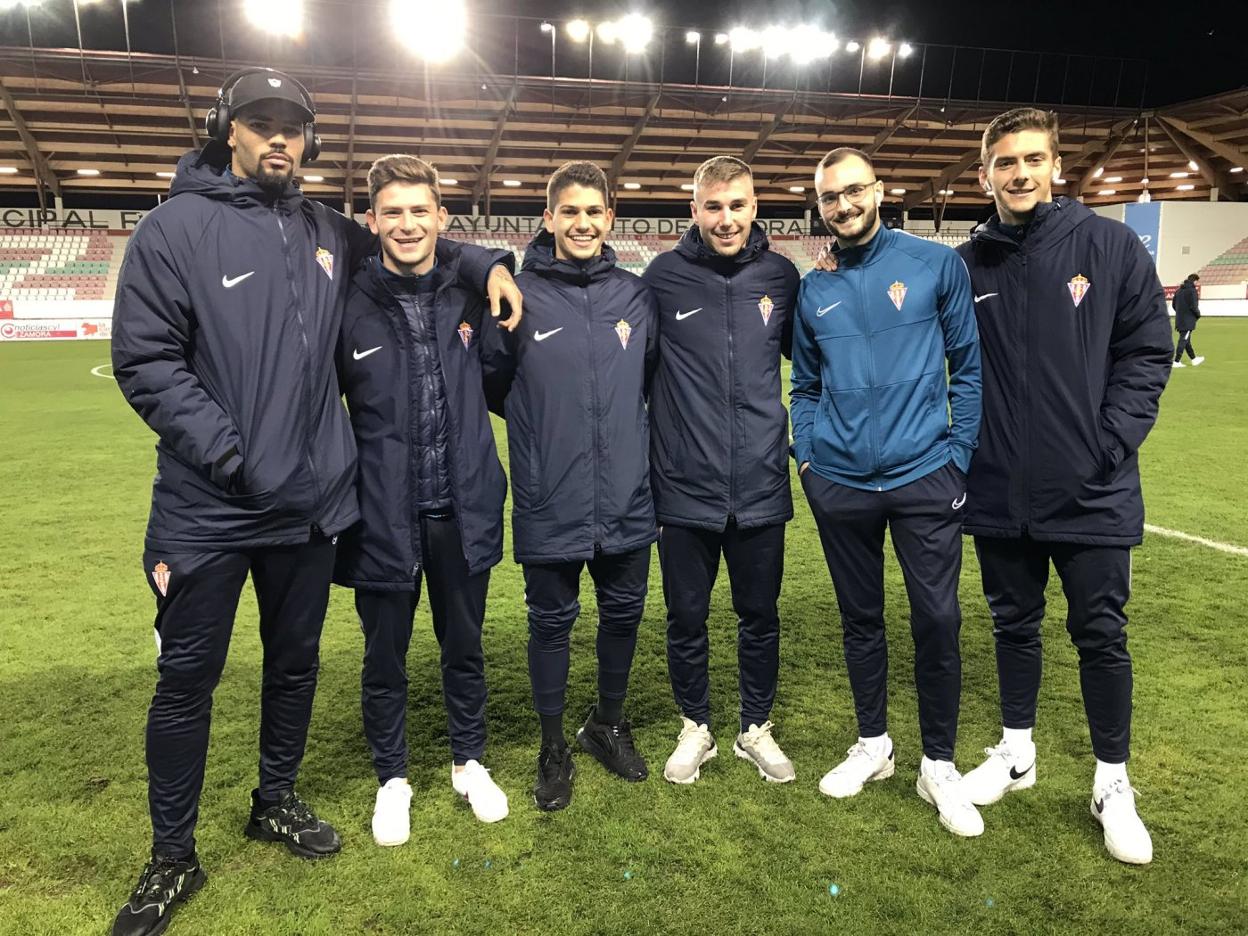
(729, 854)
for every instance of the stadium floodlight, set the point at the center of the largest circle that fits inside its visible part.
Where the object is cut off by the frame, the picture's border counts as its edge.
(608, 32)
(511, 183)
(433, 31)
(852, 46)
(905, 50)
(1237, 169)
(548, 27)
(809, 44)
(1057, 180)
(945, 191)
(279, 17)
(797, 189)
(1185, 188)
(14, 4)
(8, 170)
(896, 191)
(686, 186)
(1099, 170)
(632, 186)
(577, 30)
(1191, 164)
(743, 39)
(313, 178)
(89, 172)
(878, 48)
(1109, 191)
(635, 32)
(445, 181)
(1112, 179)
(1145, 197)
(164, 175)
(1179, 175)
(693, 37)
(721, 38)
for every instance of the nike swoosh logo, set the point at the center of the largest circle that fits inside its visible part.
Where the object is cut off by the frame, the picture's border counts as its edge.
(1099, 804)
(359, 355)
(1018, 775)
(979, 299)
(957, 503)
(542, 336)
(826, 309)
(229, 282)
(685, 315)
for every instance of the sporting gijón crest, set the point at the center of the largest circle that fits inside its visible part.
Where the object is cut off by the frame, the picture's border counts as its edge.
(465, 333)
(326, 260)
(765, 305)
(161, 575)
(1078, 287)
(623, 331)
(897, 292)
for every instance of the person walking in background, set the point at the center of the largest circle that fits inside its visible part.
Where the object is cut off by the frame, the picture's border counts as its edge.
(1186, 313)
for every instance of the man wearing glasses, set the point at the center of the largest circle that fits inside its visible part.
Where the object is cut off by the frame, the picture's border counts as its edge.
(883, 439)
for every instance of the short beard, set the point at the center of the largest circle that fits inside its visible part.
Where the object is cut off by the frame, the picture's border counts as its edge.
(868, 216)
(272, 181)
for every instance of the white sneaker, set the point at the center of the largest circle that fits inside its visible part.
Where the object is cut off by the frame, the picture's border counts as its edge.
(758, 746)
(694, 747)
(1178, 364)
(847, 777)
(940, 784)
(1198, 360)
(1113, 806)
(1004, 770)
(392, 822)
(473, 783)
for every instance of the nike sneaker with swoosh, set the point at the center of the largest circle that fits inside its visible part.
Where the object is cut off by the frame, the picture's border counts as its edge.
(1126, 838)
(1006, 769)
(164, 883)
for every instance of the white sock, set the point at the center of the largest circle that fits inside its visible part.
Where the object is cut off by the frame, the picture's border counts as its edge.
(879, 745)
(1108, 773)
(1017, 739)
(928, 766)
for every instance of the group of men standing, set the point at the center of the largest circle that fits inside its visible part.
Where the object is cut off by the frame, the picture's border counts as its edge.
(1003, 393)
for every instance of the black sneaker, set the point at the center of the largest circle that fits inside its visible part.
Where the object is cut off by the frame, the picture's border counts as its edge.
(164, 882)
(612, 746)
(555, 771)
(293, 823)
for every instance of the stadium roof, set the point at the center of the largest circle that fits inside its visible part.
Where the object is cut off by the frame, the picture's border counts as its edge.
(125, 118)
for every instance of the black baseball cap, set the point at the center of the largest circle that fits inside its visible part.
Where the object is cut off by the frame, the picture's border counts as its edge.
(269, 85)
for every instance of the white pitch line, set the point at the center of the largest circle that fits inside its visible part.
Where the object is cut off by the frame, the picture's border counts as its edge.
(95, 372)
(1212, 544)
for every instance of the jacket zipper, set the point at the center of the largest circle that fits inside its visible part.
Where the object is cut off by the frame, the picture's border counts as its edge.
(593, 413)
(1025, 370)
(307, 358)
(452, 435)
(871, 409)
(732, 407)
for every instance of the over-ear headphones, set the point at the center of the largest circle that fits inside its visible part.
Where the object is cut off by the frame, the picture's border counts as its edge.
(217, 123)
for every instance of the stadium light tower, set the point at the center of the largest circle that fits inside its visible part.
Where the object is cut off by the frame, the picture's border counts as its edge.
(433, 29)
(578, 30)
(279, 17)
(878, 49)
(635, 32)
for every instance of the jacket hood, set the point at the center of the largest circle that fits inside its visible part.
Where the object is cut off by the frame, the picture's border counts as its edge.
(203, 172)
(1052, 222)
(370, 277)
(539, 258)
(692, 247)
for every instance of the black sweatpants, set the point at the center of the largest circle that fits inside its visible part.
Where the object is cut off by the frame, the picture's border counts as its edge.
(552, 592)
(1184, 344)
(457, 603)
(926, 523)
(1097, 583)
(689, 559)
(194, 619)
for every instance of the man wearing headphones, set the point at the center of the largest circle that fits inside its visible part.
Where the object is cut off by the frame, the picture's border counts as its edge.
(226, 320)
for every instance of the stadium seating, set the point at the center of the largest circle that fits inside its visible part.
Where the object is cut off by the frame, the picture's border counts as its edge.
(1228, 269)
(59, 264)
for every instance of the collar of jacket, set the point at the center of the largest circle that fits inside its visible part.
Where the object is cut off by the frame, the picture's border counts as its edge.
(370, 279)
(539, 258)
(1052, 221)
(692, 247)
(203, 172)
(869, 252)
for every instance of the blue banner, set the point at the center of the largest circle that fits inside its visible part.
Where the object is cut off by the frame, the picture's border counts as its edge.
(1145, 220)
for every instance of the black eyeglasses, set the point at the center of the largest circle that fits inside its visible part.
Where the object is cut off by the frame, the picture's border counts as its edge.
(854, 193)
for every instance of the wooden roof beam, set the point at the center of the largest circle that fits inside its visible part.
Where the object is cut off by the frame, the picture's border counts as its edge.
(626, 150)
(950, 175)
(1229, 153)
(1094, 171)
(480, 187)
(1220, 182)
(43, 172)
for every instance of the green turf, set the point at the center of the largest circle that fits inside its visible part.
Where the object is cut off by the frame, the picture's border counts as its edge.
(727, 855)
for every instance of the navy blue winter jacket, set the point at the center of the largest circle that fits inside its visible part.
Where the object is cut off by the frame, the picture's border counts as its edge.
(1186, 307)
(228, 308)
(573, 377)
(718, 427)
(379, 377)
(1076, 348)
